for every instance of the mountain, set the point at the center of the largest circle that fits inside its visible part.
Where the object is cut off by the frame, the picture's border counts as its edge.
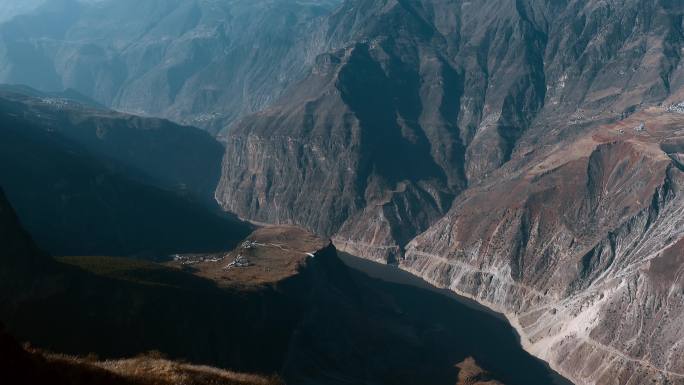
(582, 247)
(526, 154)
(199, 62)
(80, 305)
(321, 323)
(164, 154)
(429, 99)
(90, 181)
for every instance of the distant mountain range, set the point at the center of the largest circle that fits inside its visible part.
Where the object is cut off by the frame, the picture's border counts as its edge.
(200, 62)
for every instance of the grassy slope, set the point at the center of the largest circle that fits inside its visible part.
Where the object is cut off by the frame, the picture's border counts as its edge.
(24, 365)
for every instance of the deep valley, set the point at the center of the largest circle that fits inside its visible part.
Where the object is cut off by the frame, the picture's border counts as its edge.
(184, 183)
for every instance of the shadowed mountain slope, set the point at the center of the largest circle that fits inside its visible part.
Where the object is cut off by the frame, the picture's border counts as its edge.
(321, 324)
(89, 181)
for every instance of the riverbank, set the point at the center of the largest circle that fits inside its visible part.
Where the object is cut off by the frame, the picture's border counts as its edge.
(396, 275)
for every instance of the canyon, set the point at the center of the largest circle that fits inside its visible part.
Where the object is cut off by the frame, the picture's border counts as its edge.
(320, 322)
(526, 154)
(537, 171)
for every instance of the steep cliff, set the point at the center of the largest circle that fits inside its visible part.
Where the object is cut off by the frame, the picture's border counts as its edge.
(416, 101)
(582, 249)
(547, 132)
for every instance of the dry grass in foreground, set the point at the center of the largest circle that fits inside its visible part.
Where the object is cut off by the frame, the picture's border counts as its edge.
(152, 370)
(472, 374)
(28, 366)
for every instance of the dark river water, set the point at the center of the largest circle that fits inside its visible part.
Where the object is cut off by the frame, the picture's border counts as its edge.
(473, 330)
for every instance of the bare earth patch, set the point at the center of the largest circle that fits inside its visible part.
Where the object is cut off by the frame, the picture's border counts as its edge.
(269, 255)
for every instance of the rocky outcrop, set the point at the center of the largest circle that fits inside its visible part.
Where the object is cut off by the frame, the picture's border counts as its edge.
(582, 250)
(471, 374)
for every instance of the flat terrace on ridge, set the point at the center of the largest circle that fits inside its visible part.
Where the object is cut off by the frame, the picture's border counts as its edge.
(269, 255)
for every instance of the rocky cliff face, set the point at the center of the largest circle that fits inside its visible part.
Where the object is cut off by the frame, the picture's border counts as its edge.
(420, 100)
(582, 249)
(547, 132)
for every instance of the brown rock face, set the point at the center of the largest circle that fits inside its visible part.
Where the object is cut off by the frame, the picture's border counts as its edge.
(535, 144)
(416, 101)
(374, 138)
(582, 249)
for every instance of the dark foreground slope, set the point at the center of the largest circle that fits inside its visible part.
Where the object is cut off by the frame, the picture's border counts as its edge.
(321, 324)
(90, 181)
(22, 365)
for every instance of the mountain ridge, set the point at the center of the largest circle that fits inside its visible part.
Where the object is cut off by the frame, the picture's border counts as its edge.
(576, 79)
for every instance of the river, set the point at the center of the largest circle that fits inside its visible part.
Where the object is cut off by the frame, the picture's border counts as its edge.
(474, 330)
